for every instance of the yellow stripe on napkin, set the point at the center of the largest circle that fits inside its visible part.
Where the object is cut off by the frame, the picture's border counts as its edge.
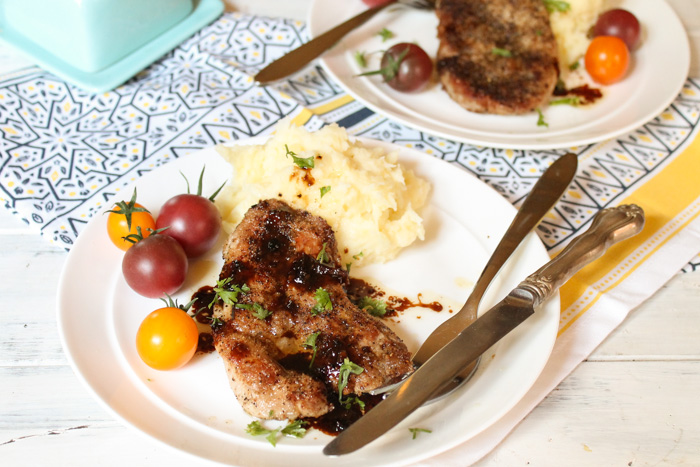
(671, 199)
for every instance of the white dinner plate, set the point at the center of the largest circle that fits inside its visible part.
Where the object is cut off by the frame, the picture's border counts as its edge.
(193, 409)
(657, 73)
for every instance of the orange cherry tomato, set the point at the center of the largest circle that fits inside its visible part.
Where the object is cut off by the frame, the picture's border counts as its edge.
(607, 59)
(167, 338)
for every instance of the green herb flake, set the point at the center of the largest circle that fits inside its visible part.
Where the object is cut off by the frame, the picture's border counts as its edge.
(574, 101)
(358, 256)
(415, 431)
(373, 306)
(322, 256)
(540, 119)
(351, 400)
(385, 34)
(323, 301)
(310, 343)
(360, 58)
(501, 52)
(256, 309)
(301, 162)
(294, 429)
(556, 5)
(346, 369)
(325, 190)
(574, 66)
(228, 293)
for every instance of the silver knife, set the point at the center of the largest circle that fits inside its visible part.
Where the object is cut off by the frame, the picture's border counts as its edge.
(608, 227)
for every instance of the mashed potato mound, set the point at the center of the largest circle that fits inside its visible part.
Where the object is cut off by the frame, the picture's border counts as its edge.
(571, 30)
(370, 201)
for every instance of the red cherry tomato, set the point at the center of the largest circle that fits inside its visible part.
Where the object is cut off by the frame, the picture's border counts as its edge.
(155, 266)
(619, 23)
(167, 338)
(192, 220)
(607, 59)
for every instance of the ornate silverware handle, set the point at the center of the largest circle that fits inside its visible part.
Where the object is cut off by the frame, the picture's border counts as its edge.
(609, 226)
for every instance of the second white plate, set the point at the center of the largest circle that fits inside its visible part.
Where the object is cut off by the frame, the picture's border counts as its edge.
(659, 69)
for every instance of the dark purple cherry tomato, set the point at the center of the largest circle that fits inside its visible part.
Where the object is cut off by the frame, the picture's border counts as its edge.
(406, 67)
(192, 220)
(155, 266)
(619, 23)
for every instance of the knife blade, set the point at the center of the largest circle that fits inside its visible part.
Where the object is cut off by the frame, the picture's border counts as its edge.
(609, 226)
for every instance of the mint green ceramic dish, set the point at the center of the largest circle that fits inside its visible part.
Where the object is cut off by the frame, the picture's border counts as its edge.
(99, 44)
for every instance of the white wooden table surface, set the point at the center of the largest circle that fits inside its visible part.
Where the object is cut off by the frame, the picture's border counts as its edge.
(633, 402)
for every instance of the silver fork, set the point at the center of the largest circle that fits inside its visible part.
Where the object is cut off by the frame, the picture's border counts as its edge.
(296, 59)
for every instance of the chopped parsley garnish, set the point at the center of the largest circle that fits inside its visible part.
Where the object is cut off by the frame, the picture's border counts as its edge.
(540, 119)
(257, 309)
(301, 162)
(294, 429)
(415, 431)
(385, 34)
(556, 5)
(501, 52)
(323, 301)
(322, 256)
(228, 293)
(353, 399)
(310, 343)
(574, 100)
(360, 59)
(325, 190)
(346, 369)
(373, 306)
(574, 66)
(358, 256)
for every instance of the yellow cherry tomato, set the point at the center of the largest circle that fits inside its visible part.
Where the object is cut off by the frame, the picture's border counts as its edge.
(118, 228)
(167, 338)
(127, 218)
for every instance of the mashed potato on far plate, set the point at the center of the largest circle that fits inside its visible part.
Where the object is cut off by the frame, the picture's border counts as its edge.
(571, 30)
(369, 200)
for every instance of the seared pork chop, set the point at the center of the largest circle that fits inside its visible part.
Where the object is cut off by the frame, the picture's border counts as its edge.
(281, 257)
(496, 56)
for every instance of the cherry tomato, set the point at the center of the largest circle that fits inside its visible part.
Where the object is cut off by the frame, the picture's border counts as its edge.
(619, 23)
(167, 338)
(373, 3)
(607, 59)
(406, 67)
(125, 219)
(192, 220)
(155, 266)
